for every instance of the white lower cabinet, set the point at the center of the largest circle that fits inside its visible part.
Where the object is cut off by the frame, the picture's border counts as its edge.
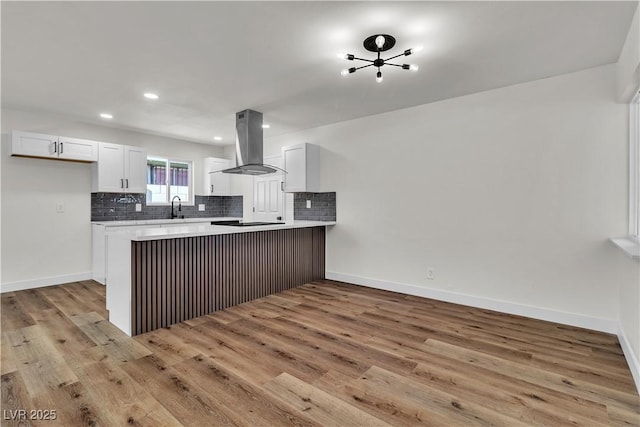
(100, 241)
(98, 253)
(99, 244)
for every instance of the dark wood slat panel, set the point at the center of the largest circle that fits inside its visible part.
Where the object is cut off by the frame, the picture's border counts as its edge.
(179, 279)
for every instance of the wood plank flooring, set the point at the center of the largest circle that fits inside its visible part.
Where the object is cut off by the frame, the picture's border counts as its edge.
(326, 353)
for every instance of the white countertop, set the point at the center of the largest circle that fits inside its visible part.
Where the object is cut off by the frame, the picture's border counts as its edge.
(194, 230)
(163, 221)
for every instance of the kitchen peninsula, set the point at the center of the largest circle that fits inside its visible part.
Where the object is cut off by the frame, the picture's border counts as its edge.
(161, 276)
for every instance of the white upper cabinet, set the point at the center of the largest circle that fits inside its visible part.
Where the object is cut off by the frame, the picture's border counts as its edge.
(53, 147)
(108, 173)
(120, 169)
(135, 169)
(216, 184)
(33, 144)
(77, 149)
(301, 161)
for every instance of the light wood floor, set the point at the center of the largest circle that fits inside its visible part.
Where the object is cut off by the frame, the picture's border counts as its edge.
(326, 353)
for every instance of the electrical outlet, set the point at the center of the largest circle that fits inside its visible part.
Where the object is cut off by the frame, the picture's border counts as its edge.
(60, 207)
(308, 204)
(201, 207)
(138, 207)
(431, 274)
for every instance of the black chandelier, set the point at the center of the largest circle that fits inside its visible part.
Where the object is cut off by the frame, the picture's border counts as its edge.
(379, 43)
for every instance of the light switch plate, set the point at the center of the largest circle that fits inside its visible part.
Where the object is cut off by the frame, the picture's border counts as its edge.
(308, 204)
(138, 207)
(201, 207)
(60, 207)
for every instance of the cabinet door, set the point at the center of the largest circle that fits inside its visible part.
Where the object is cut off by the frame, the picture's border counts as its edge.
(207, 184)
(77, 149)
(294, 160)
(221, 182)
(110, 167)
(135, 169)
(33, 144)
(216, 184)
(301, 161)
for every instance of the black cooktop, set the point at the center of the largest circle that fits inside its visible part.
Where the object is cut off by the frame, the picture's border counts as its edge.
(237, 223)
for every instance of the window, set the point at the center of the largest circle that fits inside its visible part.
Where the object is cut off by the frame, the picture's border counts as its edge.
(634, 168)
(167, 178)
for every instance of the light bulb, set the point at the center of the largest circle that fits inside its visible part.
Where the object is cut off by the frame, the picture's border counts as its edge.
(379, 77)
(413, 50)
(106, 116)
(380, 40)
(344, 72)
(150, 95)
(413, 67)
(348, 56)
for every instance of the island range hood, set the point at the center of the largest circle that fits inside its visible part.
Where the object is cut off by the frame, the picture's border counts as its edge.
(249, 156)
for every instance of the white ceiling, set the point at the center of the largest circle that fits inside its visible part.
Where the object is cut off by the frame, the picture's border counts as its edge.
(208, 60)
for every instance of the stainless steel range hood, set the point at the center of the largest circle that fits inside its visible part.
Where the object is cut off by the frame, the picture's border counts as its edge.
(249, 155)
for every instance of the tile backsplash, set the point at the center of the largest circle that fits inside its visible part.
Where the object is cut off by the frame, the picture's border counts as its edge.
(323, 206)
(122, 207)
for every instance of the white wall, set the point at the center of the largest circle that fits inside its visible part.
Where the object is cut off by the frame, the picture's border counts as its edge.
(629, 61)
(510, 195)
(40, 246)
(628, 73)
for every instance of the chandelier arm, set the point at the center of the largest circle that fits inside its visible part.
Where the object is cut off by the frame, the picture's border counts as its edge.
(362, 59)
(394, 57)
(395, 65)
(364, 66)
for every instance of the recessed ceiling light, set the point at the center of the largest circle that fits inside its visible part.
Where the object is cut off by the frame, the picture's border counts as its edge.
(106, 116)
(150, 95)
(217, 138)
(265, 126)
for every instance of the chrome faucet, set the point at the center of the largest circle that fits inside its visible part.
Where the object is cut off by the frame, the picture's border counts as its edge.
(173, 212)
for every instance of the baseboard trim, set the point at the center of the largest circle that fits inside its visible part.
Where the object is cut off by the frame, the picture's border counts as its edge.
(566, 318)
(631, 356)
(44, 281)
